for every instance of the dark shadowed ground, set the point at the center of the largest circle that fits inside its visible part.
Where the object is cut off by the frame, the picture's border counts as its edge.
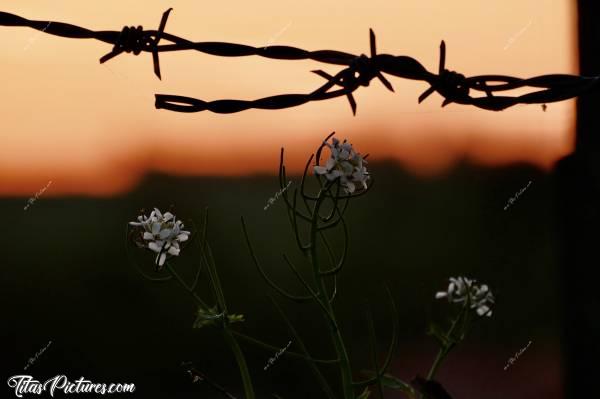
(67, 279)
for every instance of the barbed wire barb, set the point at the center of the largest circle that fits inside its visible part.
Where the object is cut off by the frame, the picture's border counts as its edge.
(135, 40)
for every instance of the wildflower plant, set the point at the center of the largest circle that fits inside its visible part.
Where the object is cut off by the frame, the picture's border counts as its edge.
(345, 164)
(162, 234)
(313, 216)
(474, 300)
(462, 290)
(316, 212)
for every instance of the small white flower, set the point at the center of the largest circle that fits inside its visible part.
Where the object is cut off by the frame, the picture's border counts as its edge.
(462, 289)
(161, 233)
(345, 164)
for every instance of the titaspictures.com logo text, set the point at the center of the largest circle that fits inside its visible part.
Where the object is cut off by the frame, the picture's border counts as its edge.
(26, 384)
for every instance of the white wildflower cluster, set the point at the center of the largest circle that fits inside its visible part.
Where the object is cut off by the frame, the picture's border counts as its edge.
(345, 164)
(462, 289)
(162, 233)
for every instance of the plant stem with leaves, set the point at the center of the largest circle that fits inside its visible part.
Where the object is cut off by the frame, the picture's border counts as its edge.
(208, 261)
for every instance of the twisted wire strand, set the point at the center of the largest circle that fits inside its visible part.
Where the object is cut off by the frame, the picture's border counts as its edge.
(359, 71)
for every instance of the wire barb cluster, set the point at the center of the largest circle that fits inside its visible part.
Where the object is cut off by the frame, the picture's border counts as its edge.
(358, 71)
(136, 40)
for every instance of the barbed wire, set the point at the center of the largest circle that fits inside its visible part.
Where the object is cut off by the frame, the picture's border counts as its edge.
(360, 71)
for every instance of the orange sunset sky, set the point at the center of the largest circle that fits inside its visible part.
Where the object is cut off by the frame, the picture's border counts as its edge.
(92, 129)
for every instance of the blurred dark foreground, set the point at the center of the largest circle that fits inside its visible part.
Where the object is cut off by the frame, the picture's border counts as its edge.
(67, 279)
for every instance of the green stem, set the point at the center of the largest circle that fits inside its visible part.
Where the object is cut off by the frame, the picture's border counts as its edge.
(336, 337)
(241, 361)
(340, 348)
(185, 286)
(229, 338)
(288, 353)
(436, 363)
(446, 348)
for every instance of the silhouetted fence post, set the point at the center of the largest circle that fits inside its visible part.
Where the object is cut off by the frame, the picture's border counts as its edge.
(578, 184)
